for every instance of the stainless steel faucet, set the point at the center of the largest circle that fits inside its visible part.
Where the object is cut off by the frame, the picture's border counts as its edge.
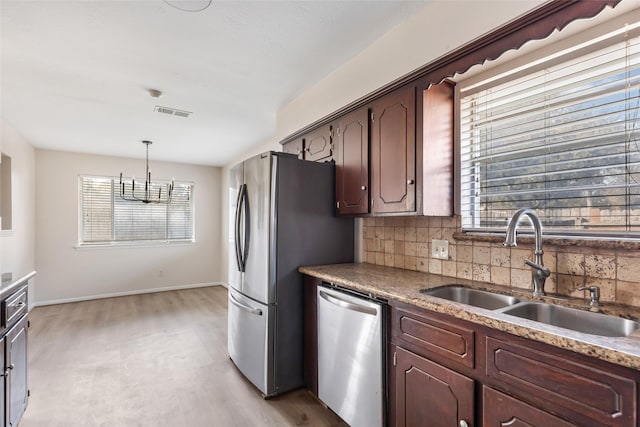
(539, 272)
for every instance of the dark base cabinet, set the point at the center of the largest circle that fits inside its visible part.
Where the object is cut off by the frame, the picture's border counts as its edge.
(16, 372)
(430, 394)
(441, 368)
(502, 410)
(13, 355)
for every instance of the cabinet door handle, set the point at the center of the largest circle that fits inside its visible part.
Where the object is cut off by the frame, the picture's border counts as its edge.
(410, 182)
(364, 187)
(463, 423)
(11, 366)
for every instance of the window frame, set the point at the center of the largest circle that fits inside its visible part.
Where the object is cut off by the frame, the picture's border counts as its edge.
(512, 67)
(112, 243)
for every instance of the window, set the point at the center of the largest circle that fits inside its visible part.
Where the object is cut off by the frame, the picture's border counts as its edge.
(107, 219)
(559, 136)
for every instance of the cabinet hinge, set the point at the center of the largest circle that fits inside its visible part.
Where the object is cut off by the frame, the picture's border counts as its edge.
(373, 116)
(338, 205)
(371, 202)
(395, 359)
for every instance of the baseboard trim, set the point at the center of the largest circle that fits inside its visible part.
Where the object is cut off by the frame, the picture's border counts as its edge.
(127, 293)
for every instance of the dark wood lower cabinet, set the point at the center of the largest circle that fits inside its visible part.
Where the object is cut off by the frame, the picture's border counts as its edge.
(16, 372)
(428, 394)
(511, 381)
(501, 410)
(310, 342)
(447, 372)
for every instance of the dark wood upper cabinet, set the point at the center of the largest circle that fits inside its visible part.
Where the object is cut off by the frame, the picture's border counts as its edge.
(315, 146)
(295, 147)
(393, 152)
(318, 144)
(437, 150)
(352, 163)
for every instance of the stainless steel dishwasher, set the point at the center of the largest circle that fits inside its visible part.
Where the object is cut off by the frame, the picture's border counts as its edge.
(350, 356)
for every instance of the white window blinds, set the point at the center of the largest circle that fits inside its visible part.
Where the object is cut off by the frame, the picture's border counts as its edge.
(561, 139)
(106, 218)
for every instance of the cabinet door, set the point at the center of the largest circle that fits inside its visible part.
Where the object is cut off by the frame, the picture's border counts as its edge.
(437, 150)
(3, 365)
(393, 152)
(318, 144)
(352, 163)
(16, 380)
(500, 410)
(295, 147)
(428, 394)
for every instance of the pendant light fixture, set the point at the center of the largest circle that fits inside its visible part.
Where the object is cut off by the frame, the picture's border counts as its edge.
(153, 193)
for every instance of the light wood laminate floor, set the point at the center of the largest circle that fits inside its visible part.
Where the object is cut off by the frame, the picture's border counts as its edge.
(148, 360)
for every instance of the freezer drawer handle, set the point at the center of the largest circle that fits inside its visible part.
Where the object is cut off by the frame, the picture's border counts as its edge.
(241, 306)
(348, 305)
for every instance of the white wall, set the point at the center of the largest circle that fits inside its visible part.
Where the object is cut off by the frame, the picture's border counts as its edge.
(440, 27)
(18, 244)
(66, 273)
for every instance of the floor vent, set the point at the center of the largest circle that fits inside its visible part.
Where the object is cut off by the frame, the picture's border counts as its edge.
(172, 111)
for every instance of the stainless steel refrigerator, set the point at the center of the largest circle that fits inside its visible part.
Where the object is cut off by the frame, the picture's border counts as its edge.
(282, 217)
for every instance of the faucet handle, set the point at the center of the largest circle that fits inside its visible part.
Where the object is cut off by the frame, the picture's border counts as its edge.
(594, 294)
(544, 271)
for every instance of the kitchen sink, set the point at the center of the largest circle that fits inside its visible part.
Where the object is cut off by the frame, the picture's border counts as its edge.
(474, 297)
(573, 319)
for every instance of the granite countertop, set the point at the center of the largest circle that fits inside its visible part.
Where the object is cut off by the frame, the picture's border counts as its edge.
(11, 282)
(405, 285)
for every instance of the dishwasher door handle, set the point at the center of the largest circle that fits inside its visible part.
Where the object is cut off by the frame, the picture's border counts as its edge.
(348, 305)
(244, 307)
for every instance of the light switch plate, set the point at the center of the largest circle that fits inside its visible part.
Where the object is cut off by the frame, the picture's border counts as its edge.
(439, 249)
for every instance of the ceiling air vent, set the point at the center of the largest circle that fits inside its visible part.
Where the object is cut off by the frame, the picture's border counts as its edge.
(172, 111)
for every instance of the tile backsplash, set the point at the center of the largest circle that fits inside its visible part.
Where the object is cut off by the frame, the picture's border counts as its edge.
(405, 242)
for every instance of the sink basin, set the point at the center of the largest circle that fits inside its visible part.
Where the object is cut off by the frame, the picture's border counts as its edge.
(576, 320)
(473, 297)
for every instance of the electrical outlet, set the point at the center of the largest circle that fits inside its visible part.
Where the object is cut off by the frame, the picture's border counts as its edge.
(440, 249)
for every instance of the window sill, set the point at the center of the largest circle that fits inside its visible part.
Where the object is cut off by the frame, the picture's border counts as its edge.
(591, 242)
(125, 245)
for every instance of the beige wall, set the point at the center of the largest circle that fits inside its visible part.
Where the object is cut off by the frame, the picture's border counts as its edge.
(18, 244)
(419, 40)
(440, 27)
(66, 273)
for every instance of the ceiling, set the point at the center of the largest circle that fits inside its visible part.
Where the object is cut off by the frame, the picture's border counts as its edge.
(75, 75)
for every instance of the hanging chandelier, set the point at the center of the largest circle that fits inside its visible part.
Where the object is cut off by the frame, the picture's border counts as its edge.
(153, 193)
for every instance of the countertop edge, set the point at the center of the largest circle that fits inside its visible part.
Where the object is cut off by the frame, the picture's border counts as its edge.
(11, 285)
(622, 351)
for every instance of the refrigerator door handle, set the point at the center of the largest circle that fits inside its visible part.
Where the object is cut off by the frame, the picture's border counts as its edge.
(348, 305)
(237, 231)
(247, 227)
(244, 307)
